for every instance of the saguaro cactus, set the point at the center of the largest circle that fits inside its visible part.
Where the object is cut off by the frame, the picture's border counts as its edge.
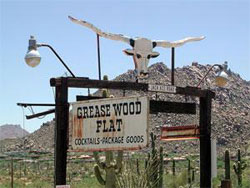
(239, 167)
(189, 171)
(173, 167)
(226, 183)
(193, 175)
(154, 165)
(155, 158)
(227, 165)
(110, 166)
(137, 167)
(160, 184)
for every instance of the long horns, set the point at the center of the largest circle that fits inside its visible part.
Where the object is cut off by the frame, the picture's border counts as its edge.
(167, 44)
(111, 36)
(130, 40)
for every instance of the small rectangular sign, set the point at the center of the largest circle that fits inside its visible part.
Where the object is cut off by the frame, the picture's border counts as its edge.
(63, 186)
(161, 88)
(110, 124)
(180, 132)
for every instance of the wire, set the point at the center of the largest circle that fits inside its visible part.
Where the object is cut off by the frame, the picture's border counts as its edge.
(54, 95)
(23, 121)
(33, 112)
(23, 128)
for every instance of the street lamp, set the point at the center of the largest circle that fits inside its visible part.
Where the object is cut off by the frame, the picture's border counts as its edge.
(221, 77)
(33, 58)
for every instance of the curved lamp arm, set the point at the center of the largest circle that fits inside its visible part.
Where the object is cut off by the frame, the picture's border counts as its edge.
(221, 68)
(33, 57)
(64, 64)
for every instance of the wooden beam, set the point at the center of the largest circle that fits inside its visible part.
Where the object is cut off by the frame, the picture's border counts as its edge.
(84, 98)
(172, 107)
(34, 104)
(84, 82)
(41, 114)
(107, 84)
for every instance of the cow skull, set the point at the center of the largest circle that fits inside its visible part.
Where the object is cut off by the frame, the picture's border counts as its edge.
(142, 48)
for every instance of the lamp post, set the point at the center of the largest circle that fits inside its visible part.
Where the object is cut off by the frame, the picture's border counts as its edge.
(205, 126)
(221, 77)
(33, 58)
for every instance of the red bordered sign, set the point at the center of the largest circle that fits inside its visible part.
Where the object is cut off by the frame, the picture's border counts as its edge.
(180, 132)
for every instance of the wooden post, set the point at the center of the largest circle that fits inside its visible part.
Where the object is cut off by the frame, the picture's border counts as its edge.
(20, 170)
(205, 140)
(61, 132)
(226, 184)
(38, 168)
(24, 170)
(172, 66)
(48, 169)
(99, 58)
(12, 173)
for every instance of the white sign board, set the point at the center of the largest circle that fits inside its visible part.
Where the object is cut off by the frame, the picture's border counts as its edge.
(161, 88)
(63, 186)
(110, 124)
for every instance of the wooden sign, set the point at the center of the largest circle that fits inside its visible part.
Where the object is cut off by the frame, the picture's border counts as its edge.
(110, 124)
(180, 132)
(63, 186)
(162, 88)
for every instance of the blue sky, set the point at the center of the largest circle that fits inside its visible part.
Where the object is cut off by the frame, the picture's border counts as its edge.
(226, 25)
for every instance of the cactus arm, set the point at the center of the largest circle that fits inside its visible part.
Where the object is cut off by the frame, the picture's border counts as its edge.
(109, 158)
(119, 159)
(235, 169)
(239, 155)
(189, 170)
(137, 167)
(98, 175)
(97, 160)
(146, 164)
(193, 175)
(153, 138)
(96, 157)
(173, 167)
(239, 173)
(244, 165)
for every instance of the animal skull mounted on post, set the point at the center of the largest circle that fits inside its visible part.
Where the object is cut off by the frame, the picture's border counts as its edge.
(142, 48)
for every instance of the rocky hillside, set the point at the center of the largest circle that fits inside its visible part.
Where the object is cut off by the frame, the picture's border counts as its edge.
(230, 108)
(42, 140)
(12, 131)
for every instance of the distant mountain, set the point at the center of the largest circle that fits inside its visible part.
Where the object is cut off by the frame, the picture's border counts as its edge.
(12, 131)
